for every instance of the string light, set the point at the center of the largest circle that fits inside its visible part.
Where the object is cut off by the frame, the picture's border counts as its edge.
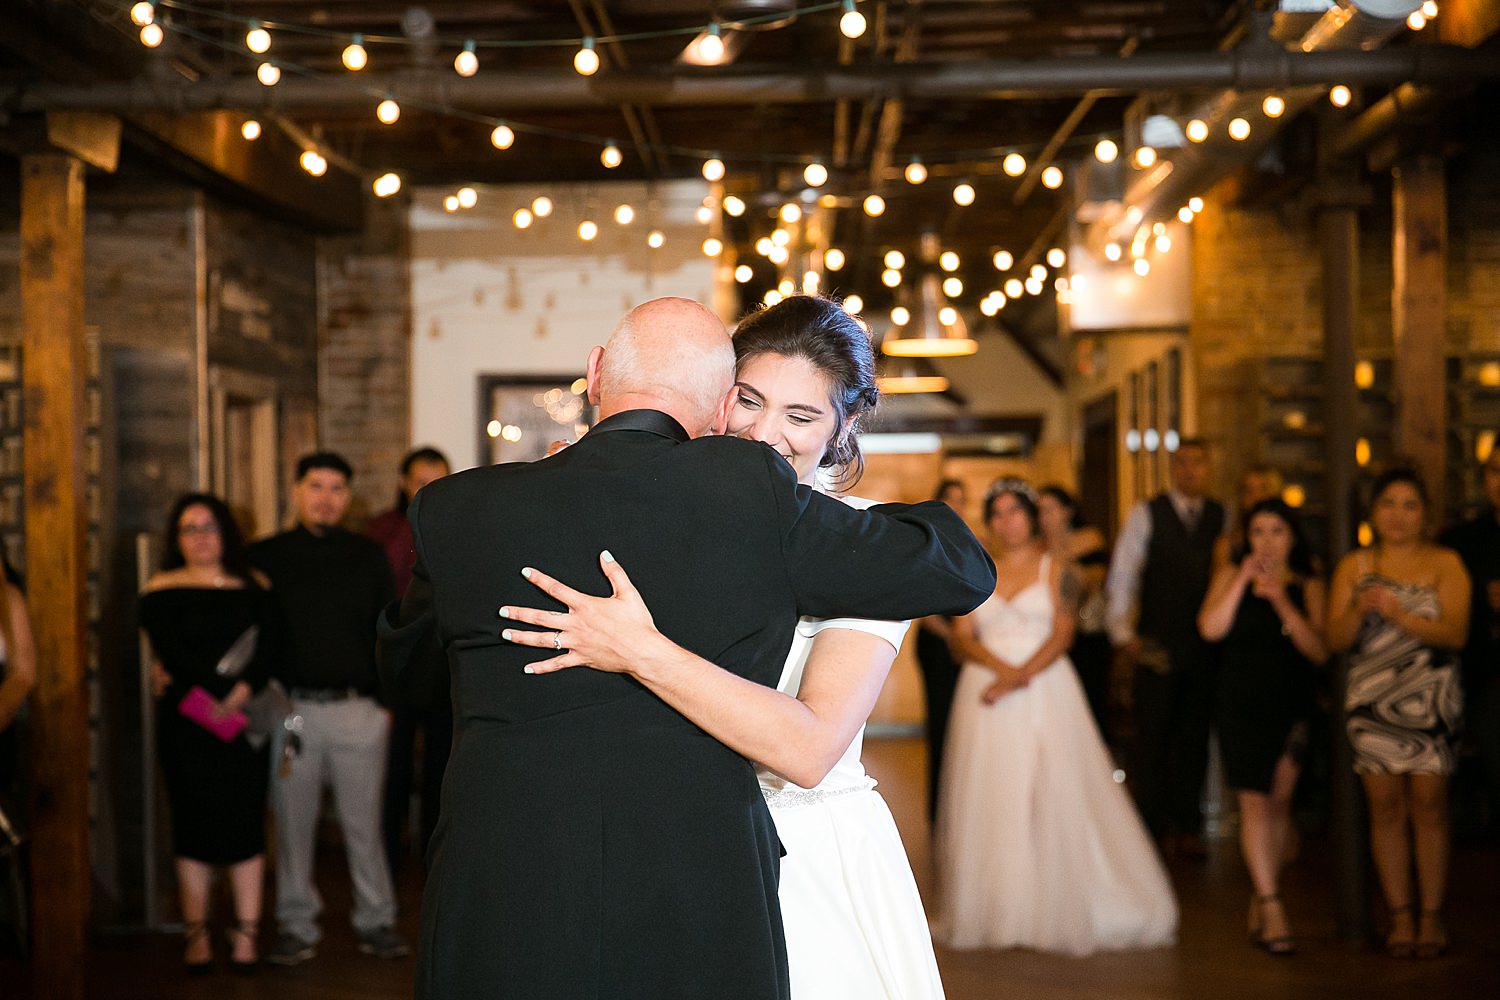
(852, 23)
(1142, 266)
(1145, 157)
(1416, 20)
(874, 206)
(704, 215)
(791, 212)
(713, 170)
(587, 230)
(268, 73)
(853, 304)
(1052, 178)
(900, 316)
(815, 174)
(811, 283)
(450, 203)
(522, 218)
(586, 60)
(1105, 151)
(890, 277)
(250, 130)
(611, 156)
(772, 297)
(988, 305)
(1184, 215)
(834, 259)
(258, 40)
(948, 261)
(1014, 288)
(466, 63)
(1340, 96)
(895, 259)
(655, 239)
(744, 273)
(503, 137)
(468, 197)
(947, 315)
(1112, 251)
(1163, 243)
(388, 111)
(1014, 165)
(963, 195)
(916, 171)
(781, 237)
(1239, 129)
(734, 206)
(386, 185)
(624, 215)
(313, 163)
(1196, 204)
(1197, 130)
(710, 47)
(1273, 106)
(779, 255)
(1430, 8)
(355, 57)
(953, 287)
(143, 13)
(1037, 273)
(764, 246)
(541, 206)
(1057, 257)
(151, 35)
(1003, 260)
(713, 246)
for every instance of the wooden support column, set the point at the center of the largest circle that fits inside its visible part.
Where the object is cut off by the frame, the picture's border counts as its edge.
(1419, 314)
(54, 362)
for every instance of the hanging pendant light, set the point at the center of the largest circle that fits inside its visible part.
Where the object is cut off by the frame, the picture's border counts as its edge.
(926, 334)
(910, 376)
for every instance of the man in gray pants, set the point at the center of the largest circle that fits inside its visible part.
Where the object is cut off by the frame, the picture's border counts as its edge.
(331, 585)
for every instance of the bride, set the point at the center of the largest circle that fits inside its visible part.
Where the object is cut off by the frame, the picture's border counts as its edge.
(1037, 846)
(855, 927)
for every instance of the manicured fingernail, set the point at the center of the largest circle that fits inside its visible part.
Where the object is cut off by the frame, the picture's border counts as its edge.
(505, 634)
(527, 670)
(505, 612)
(607, 556)
(526, 572)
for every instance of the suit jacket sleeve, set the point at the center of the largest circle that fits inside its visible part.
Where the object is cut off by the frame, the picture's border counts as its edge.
(891, 561)
(408, 651)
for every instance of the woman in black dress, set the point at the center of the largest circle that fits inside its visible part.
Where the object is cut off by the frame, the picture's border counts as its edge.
(1268, 611)
(205, 599)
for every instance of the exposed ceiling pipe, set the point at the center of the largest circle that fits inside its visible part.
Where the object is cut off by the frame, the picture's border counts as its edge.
(533, 90)
(1405, 103)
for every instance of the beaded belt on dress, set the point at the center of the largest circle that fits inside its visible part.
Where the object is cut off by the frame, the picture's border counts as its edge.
(787, 796)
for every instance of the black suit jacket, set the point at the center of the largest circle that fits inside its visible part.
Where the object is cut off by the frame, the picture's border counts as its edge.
(594, 843)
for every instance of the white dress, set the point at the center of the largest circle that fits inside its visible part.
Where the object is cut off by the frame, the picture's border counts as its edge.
(1037, 846)
(855, 926)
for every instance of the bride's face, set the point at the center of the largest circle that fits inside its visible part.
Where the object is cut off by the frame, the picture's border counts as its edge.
(787, 403)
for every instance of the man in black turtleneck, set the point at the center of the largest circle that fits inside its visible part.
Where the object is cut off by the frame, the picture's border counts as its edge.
(331, 585)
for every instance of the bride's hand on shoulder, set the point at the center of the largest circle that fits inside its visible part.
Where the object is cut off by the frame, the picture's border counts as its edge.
(612, 633)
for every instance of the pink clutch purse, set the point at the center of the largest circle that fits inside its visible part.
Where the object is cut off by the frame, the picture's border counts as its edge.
(198, 705)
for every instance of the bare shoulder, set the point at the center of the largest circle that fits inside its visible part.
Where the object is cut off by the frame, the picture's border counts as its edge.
(164, 580)
(1445, 561)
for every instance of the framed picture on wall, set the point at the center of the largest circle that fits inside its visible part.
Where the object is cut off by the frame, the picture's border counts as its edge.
(520, 416)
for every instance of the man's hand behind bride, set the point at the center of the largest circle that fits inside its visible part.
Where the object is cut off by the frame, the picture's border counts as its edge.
(613, 634)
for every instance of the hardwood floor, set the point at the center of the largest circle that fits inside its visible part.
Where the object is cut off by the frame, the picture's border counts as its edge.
(1212, 960)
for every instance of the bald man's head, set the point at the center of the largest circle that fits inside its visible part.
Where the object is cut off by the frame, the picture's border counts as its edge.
(671, 354)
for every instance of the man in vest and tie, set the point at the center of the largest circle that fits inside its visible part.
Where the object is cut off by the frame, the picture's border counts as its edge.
(1157, 581)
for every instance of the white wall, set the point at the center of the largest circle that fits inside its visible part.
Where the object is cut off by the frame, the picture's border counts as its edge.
(488, 298)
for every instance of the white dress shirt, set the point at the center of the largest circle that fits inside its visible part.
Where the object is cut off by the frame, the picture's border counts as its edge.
(1122, 588)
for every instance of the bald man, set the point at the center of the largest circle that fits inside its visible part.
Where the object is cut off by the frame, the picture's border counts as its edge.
(593, 843)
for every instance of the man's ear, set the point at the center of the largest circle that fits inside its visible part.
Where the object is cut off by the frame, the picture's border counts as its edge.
(721, 417)
(591, 373)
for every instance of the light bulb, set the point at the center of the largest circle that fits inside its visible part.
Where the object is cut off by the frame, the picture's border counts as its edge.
(1197, 130)
(947, 315)
(900, 316)
(781, 237)
(1057, 257)
(624, 215)
(916, 172)
(853, 304)
(852, 23)
(541, 206)
(815, 174)
(779, 255)
(834, 259)
(143, 13)
(890, 277)
(1163, 243)
(764, 246)
(704, 215)
(1239, 129)
(586, 60)
(1416, 20)
(713, 169)
(1052, 178)
(522, 218)
(1145, 157)
(1033, 286)
(250, 129)
(1037, 272)
(388, 111)
(772, 297)
(151, 35)
(1105, 151)
(1184, 215)
(1014, 288)
(744, 273)
(1273, 106)
(313, 163)
(611, 156)
(811, 283)
(258, 40)
(895, 259)
(948, 261)
(1142, 266)
(1003, 260)
(791, 212)
(468, 197)
(1430, 8)
(655, 239)
(988, 306)
(963, 195)
(268, 73)
(355, 57)
(1014, 165)
(466, 63)
(387, 185)
(874, 205)
(734, 206)
(1340, 96)
(502, 137)
(713, 246)
(953, 287)
(587, 230)
(710, 46)
(450, 203)
(1196, 204)
(1112, 251)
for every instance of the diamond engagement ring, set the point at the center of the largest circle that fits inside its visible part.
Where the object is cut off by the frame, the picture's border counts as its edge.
(557, 641)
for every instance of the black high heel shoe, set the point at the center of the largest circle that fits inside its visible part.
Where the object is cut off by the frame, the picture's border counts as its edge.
(1281, 945)
(193, 932)
(248, 930)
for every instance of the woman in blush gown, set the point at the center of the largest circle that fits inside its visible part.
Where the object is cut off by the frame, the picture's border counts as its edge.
(855, 925)
(1037, 846)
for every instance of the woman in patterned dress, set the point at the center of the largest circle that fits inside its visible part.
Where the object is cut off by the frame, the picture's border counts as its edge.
(1401, 610)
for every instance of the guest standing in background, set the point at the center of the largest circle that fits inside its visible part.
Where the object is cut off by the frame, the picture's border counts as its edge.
(205, 602)
(1401, 609)
(1477, 543)
(1157, 581)
(331, 585)
(17, 670)
(430, 710)
(1257, 483)
(1268, 612)
(938, 665)
(1083, 547)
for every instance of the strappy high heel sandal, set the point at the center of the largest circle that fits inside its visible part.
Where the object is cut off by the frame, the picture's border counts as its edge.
(193, 933)
(245, 930)
(1282, 944)
(1433, 945)
(1401, 945)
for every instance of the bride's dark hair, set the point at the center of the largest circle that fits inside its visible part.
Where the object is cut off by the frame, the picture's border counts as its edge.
(832, 341)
